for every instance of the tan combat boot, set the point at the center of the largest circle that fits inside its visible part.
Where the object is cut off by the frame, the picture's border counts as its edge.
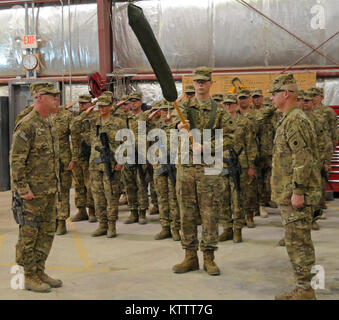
(154, 210)
(91, 215)
(80, 215)
(297, 294)
(263, 212)
(175, 235)
(323, 216)
(272, 204)
(315, 225)
(33, 283)
(190, 263)
(123, 200)
(54, 283)
(281, 242)
(102, 230)
(134, 217)
(226, 235)
(209, 264)
(61, 227)
(237, 237)
(250, 220)
(111, 231)
(163, 234)
(142, 217)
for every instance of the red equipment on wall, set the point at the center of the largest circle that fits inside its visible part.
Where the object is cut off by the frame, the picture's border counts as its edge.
(334, 173)
(96, 84)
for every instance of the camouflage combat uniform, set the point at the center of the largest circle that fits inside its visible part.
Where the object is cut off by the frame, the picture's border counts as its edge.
(23, 113)
(34, 161)
(295, 171)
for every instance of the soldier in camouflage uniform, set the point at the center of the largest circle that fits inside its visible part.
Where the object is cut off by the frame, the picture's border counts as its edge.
(81, 150)
(164, 185)
(257, 98)
(218, 97)
(105, 192)
(331, 118)
(324, 144)
(249, 178)
(134, 177)
(296, 183)
(196, 190)
(239, 137)
(23, 113)
(62, 122)
(34, 161)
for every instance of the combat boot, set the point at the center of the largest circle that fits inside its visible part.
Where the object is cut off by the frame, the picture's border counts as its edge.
(175, 235)
(237, 237)
(272, 204)
(163, 234)
(91, 215)
(102, 230)
(154, 210)
(134, 217)
(209, 265)
(281, 242)
(263, 212)
(80, 215)
(61, 227)
(54, 283)
(226, 235)
(297, 294)
(315, 225)
(323, 216)
(142, 217)
(111, 231)
(250, 221)
(123, 200)
(33, 283)
(190, 263)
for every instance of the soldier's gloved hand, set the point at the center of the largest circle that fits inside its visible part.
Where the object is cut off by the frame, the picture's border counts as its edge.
(297, 201)
(28, 196)
(70, 166)
(185, 125)
(250, 173)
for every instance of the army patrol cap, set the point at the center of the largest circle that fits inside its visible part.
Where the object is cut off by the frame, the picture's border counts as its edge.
(202, 73)
(230, 98)
(135, 96)
(267, 101)
(104, 101)
(217, 96)
(284, 82)
(316, 91)
(244, 93)
(307, 96)
(189, 89)
(256, 92)
(123, 98)
(156, 105)
(301, 94)
(85, 98)
(167, 105)
(37, 87)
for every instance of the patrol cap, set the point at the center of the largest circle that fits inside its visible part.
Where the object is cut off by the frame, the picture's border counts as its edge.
(267, 101)
(217, 96)
(308, 96)
(284, 82)
(125, 97)
(166, 105)
(301, 94)
(316, 91)
(85, 98)
(189, 89)
(104, 101)
(230, 98)
(156, 105)
(37, 87)
(202, 73)
(244, 93)
(135, 95)
(256, 92)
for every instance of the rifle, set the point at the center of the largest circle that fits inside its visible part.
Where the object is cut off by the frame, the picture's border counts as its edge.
(106, 156)
(233, 169)
(19, 212)
(85, 150)
(324, 174)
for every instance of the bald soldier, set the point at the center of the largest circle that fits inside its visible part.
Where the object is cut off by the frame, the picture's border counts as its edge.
(81, 151)
(34, 161)
(296, 183)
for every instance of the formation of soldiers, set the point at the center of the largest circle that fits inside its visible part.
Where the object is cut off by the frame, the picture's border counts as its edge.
(51, 145)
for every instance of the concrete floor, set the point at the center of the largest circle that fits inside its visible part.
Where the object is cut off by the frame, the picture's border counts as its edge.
(134, 266)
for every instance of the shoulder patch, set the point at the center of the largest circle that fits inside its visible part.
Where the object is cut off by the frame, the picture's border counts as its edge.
(23, 136)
